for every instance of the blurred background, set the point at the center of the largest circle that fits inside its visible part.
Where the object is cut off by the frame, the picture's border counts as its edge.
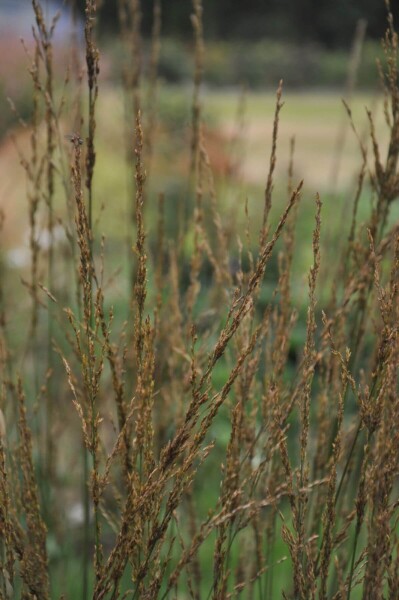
(323, 51)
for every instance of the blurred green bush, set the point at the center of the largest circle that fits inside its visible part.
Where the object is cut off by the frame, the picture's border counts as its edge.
(262, 64)
(22, 101)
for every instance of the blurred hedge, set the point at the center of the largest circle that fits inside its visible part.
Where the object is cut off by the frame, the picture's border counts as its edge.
(262, 64)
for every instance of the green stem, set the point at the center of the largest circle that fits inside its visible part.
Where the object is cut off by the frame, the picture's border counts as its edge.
(358, 526)
(86, 535)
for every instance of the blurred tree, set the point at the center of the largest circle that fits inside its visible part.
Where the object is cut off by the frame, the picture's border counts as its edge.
(330, 23)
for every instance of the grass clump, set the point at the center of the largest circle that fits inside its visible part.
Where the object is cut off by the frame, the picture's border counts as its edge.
(165, 422)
